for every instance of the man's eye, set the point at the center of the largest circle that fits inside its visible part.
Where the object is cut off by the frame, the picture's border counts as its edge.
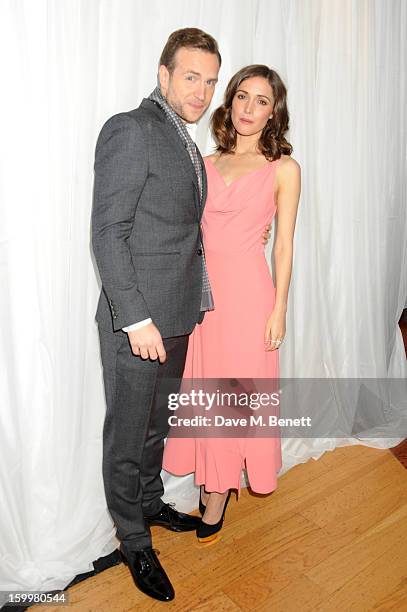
(190, 78)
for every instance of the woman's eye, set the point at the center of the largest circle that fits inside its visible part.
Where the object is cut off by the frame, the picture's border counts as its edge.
(240, 96)
(262, 102)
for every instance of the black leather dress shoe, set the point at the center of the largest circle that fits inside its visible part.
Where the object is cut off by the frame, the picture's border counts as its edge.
(170, 518)
(148, 573)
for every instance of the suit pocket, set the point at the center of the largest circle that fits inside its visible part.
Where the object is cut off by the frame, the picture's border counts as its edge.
(156, 261)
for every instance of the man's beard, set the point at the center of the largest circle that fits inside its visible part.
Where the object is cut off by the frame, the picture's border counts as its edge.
(177, 107)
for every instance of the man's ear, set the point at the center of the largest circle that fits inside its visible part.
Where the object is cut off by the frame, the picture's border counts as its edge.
(163, 77)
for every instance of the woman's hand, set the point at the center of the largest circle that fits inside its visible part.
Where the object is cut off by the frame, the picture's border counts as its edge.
(275, 330)
(266, 234)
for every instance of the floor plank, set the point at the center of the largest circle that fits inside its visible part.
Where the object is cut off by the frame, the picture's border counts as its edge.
(333, 536)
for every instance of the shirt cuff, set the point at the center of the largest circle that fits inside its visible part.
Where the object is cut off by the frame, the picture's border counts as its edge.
(138, 325)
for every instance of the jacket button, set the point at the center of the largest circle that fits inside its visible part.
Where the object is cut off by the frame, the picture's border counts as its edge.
(199, 252)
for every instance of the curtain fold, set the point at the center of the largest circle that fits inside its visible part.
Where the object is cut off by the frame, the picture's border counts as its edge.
(71, 64)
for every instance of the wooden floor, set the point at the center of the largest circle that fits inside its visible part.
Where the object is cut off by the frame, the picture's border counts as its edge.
(333, 536)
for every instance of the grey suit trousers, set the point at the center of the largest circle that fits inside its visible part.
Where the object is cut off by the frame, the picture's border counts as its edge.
(135, 426)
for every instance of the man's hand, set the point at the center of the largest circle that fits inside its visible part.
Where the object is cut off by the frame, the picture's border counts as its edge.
(266, 234)
(147, 343)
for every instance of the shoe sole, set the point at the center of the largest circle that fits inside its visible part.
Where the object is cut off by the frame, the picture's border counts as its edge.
(203, 542)
(176, 529)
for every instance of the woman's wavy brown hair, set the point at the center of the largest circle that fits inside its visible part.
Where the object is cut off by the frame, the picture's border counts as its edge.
(272, 143)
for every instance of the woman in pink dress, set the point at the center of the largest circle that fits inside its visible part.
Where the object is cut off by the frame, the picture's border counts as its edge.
(251, 178)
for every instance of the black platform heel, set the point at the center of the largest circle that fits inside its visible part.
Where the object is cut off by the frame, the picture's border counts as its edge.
(210, 533)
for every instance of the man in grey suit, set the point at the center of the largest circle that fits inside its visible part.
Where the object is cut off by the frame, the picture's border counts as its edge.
(149, 194)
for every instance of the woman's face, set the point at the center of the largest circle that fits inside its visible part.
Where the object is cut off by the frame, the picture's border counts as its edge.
(252, 106)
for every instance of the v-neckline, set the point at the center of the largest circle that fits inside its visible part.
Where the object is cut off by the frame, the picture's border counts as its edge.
(239, 177)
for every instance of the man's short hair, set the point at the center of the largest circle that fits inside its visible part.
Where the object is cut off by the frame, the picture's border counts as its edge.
(189, 38)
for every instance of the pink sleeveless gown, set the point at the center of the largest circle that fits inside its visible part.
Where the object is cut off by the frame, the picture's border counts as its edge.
(230, 340)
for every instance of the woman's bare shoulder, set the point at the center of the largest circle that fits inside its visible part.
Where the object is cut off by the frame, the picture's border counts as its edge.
(286, 161)
(213, 157)
(288, 172)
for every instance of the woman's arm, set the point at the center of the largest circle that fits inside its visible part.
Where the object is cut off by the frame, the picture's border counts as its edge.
(288, 195)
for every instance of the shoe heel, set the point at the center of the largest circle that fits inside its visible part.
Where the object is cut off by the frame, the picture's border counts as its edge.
(123, 558)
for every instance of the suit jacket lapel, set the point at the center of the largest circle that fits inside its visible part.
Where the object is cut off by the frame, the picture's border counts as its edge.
(204, 183)
(186, 163)
(181, 152)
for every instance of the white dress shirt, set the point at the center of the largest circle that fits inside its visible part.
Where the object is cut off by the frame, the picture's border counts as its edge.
(191, 127)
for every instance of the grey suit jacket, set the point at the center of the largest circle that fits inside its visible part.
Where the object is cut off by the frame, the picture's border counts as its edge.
(146, 224)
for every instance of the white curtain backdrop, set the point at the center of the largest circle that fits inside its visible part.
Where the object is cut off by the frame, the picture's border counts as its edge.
(68, 65)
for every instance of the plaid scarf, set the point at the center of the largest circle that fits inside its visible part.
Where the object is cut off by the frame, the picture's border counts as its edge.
(156, 96)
